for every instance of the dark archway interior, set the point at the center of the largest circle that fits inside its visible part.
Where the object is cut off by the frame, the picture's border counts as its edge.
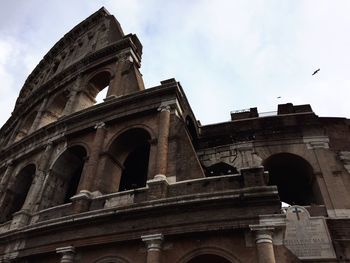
(208, 258)
(17, 193)
(220, 169)
(131, 151)
(65, 176)
(294, 178)
(135, 168)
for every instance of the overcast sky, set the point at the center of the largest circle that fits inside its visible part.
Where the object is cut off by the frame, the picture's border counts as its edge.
(228, 55)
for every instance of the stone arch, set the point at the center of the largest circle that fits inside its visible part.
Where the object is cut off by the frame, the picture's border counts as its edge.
(128, 159)
(148, 129)
(26, 125)
(220, 168)
(64, 176)
(54, 110)
(208, 253)
(294, 178)
(96, 83)
(17, 191)
(111, 259)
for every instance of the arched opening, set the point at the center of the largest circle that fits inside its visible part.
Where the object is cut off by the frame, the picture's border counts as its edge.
(128, 160)
(26, 126)
(97, 88)
(208, 258)
(64, 177)
(16, 193)
(54, 110)
(294, 178)
(220, 168)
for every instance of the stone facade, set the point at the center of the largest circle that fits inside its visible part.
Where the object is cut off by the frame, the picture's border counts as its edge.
(138, 179)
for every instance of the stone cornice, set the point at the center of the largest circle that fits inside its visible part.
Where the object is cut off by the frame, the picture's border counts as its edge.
(67, 39)
(87, 118)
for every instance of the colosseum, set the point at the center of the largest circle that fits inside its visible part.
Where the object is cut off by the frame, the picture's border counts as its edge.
(136, 178)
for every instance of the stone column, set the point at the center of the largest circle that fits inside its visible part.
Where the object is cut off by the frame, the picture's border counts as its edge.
(91, 167)
(154, 247)
(67, 253)
(264, 244)
(35, 191)
(36, 123)
(69, 108)
(6, 177)
(163, 141)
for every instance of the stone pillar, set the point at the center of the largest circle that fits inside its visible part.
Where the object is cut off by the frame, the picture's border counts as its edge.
(35, 191)
(264, 244)
(91, 167)
(126, 78)
(6, 177)
(36, 123)
(163, 141)
(336, 202)
(154, 247)
(70, 105)
(67, 253)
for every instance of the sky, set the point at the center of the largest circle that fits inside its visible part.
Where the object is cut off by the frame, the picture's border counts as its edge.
(227, 54)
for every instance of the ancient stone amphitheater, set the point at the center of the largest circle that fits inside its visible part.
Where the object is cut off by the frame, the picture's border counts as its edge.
(136, 178)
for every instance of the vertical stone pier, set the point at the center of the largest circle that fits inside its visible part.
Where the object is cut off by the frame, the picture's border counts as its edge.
(163, 141)
(264, 245)
(154, 247)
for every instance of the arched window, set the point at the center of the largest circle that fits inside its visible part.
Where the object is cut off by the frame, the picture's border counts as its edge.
(64, 177)
(208, 258)
(294, 178)
(16, 192)
(54, 110)
(26, 126)
(128, 161)
(98, 86)
(220, 168)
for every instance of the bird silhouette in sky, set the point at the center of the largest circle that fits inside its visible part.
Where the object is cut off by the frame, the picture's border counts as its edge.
(315, 72)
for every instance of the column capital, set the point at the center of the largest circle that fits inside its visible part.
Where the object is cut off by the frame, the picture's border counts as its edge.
(68, 254)
(263, 234)
(153, 242)
(162, 108)
(99, 125)
(68, 249)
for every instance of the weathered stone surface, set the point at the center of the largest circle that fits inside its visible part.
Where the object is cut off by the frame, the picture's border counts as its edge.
(98, 183)
(307, 237)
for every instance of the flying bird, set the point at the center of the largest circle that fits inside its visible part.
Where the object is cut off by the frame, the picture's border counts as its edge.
(315, 72)
(278, 97)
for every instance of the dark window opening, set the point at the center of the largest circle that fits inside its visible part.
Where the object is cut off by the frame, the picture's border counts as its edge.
(65, 177)
(220, 169)
(16, 194)
(135, 169)
(127, 165)
(208, 258)
(294, 178)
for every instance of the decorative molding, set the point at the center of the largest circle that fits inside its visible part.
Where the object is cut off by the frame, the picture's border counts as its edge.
(316, 142)
(153, 242)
